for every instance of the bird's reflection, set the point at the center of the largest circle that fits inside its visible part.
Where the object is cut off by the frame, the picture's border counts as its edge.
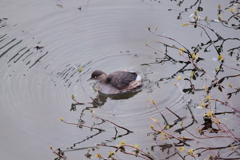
(102, 98)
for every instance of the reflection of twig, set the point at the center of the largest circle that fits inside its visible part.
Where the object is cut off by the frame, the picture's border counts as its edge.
(78, 103)
(112, 123)
(144, 155)
(206, 34)
(88, 93)
(84, 140)
(178, 85)
(194, 64)
(167, 135)
(78, 124)
(173, 113)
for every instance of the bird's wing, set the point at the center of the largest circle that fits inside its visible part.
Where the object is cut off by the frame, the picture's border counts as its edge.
(121, 79)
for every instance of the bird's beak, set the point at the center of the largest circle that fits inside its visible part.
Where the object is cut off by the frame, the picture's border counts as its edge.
(89, 79)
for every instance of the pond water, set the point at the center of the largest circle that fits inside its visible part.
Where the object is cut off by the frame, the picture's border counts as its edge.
(43, 43)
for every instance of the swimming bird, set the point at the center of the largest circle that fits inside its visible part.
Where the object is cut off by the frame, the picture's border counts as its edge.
(117, 82)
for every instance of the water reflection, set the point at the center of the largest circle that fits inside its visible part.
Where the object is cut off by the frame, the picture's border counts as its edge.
(189, 97)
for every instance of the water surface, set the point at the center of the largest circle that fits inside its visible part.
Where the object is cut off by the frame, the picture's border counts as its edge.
(43, 42)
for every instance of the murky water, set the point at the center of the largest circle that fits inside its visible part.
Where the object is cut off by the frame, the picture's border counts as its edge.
(42, 43)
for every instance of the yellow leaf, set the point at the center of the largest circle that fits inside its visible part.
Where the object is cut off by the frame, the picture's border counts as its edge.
(194, 56)
(110, 153)
(122, 143)
(180, 53)
(183, 138)
(99, 155)
(205, 88)
(61, 119)
(163, 138)
(181, 124)
(185, 25)
(231, 9)
(209, 113)
(191, 74)
(80, 69)
(91, 110)
(220, 57)
(181, 148)
(219, 17)
(215, 120)
(155, 120)
(208, 97)
(217, 69)
(198, 130)
(211, 157)
(229, 85)
(202, 104)
(50, 147)
(190, 152)
(219, 6)
(197, 55)
(182, 49)
(179, 78)
(136, 145)
(175, 84)
(73, 96)
(95, 89)
(153, 102)
(167, 126)
(152, 126)
(163, 133)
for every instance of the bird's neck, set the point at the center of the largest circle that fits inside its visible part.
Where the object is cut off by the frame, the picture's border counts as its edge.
(104, 79)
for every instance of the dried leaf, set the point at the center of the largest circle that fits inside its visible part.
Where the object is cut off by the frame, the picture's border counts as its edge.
(99, 155)
(182, 49)
(179, 78)
(80, 69)
(136, 145)
(208, 97)
(209, 113)
(122, 143)
(153, 102)
(231, 9)
(190, 152)
(73, 97)
(181, 148)
(229, 85)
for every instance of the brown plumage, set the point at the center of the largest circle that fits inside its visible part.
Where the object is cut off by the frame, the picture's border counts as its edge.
(116, 82)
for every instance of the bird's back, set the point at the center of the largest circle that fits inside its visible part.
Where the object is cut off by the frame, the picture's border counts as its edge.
(121, 79)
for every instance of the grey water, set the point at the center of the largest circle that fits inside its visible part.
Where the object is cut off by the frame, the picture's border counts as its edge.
(43, 42)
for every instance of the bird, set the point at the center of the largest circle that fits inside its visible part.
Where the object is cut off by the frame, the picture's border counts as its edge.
(118, 82)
